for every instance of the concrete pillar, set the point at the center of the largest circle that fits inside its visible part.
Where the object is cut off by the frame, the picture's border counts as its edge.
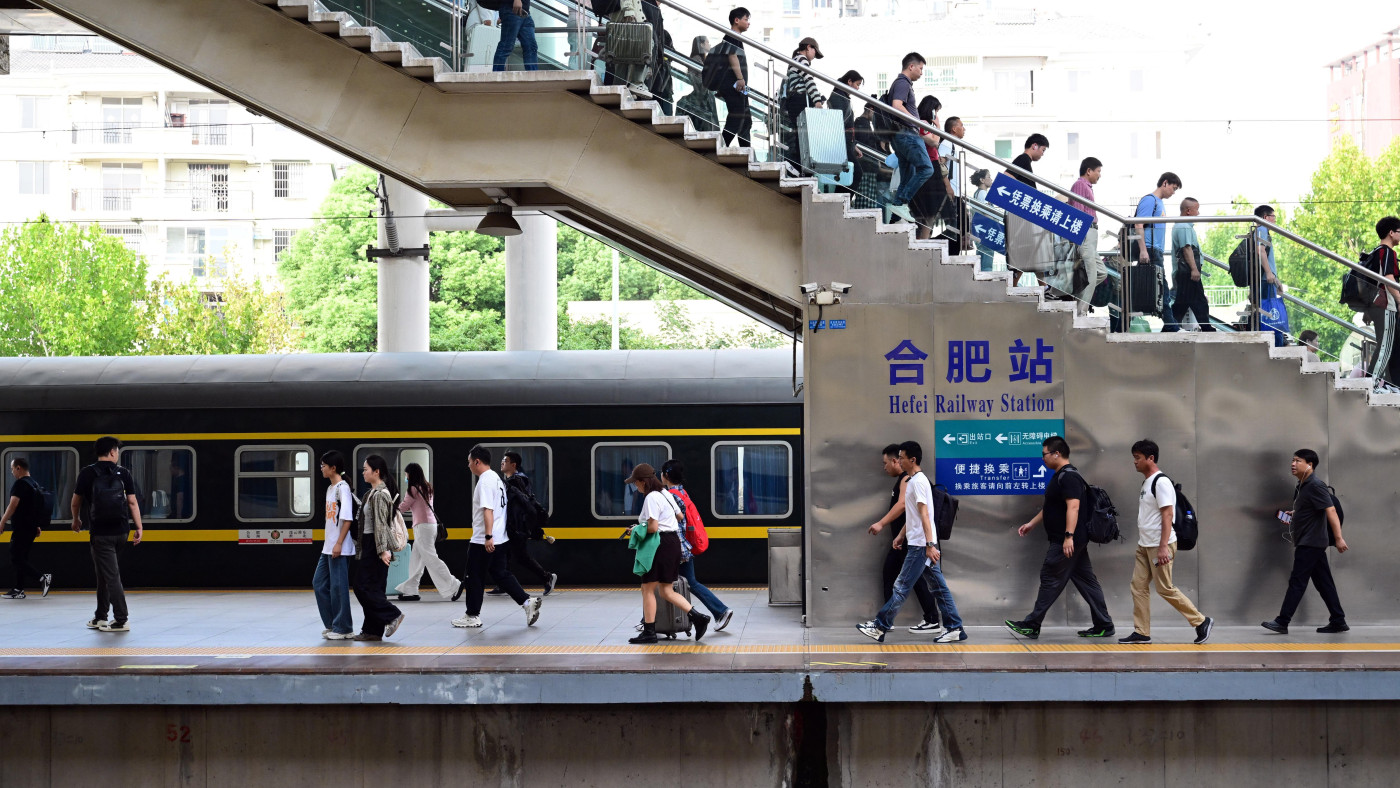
(403, 281)
(532, 284)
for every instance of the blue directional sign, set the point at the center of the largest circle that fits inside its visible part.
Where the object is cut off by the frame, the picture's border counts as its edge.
(989, 232)
(993, 456)
(1040, 209)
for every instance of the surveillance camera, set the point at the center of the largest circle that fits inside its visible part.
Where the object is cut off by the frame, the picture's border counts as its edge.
(810, 288)
(840, 287)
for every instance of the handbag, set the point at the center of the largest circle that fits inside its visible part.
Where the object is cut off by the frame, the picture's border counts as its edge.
(441, 527)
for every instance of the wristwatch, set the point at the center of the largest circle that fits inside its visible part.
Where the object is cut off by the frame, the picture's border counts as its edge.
(489, 536)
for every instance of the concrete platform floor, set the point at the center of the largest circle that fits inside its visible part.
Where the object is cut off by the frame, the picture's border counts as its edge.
(182, 642)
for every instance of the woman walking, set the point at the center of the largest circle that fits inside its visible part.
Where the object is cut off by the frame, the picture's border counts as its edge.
(418, 501)
(658, 517)
(673, 477)
(699, 103)
(381, 618)
(933, 203)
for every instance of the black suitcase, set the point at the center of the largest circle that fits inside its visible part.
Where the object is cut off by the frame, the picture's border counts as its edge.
(671, 620)
(1148, 284)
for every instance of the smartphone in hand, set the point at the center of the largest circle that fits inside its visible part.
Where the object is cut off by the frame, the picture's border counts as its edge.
(1284, 517)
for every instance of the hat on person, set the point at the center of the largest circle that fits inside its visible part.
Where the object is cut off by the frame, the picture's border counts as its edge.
(640, 473)
(810, 42)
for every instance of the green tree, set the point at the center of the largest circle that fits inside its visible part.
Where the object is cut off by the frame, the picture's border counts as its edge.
(242, 318)
(68, 290)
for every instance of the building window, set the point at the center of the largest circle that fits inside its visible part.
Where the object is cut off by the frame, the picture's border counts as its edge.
(397, 457)
(119, 117)
(209, 187)
(208, 120)
(281, 239)
(1072, 145)
(56, 470)
(882, 81)
(792, 7)
(1003, 149)
(272, 483)
(1159, 144)
(130, 234)
(752, 479)
(288, 180)
(205, 249)
(1020, 85)
(33, 177)
(536, 462)
(793, 34)
(613, 498)
(31, 112)
(821, 3)
(164, 481)
(120, 182)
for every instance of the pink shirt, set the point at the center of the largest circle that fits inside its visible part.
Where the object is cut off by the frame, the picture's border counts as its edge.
(413, 502)
(1084, 189)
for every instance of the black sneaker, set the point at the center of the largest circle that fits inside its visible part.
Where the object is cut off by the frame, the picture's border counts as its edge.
(408, 598)
(1203, 631)
(1133, 639)
(549, 586)
(1275, 626)
(1023, 629)
(496, 592)
(1332, 629)
(46, 581)
(13, 594)
(1105, 632)
(461, 586)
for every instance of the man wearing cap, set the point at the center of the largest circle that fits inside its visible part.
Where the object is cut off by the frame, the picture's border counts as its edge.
(800, 92)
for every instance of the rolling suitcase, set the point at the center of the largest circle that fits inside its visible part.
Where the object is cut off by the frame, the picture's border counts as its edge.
(821, 138)
(671, 620)
(398, 569)
(1148, 284)
(628, 43)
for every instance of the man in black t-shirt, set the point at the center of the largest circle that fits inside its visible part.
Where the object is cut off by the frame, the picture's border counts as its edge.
(1064, 511)
(1028, 247)
(26, 504)
(1314, 524)
(734, 90)
(101, 490)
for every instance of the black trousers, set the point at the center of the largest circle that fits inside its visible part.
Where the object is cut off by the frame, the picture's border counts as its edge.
(738, 123)
(481, 563)
(371, 577)
(894, 561)
(1058, 572)
(1310, 563)
(519, 551)
(1191, 295)
(110, 594)
(21, 542)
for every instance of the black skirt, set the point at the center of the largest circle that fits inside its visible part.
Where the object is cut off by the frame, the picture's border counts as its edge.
(666, 566)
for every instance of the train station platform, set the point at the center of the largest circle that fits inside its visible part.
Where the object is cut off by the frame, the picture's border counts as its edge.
(264, 647)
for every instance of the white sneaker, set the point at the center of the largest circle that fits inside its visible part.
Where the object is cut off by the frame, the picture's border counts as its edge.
(97, 623)
(115, 626)
(467, 622)
(926, 628)
(333, 635)
(952, 636)
(46, 581)
(902, 211)
(871, 630)
(532, 610)
(325, 634)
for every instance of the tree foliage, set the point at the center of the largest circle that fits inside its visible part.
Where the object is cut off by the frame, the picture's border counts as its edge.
(72, 290)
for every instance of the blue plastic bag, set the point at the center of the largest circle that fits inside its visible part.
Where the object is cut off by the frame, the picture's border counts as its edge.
(1273, 316)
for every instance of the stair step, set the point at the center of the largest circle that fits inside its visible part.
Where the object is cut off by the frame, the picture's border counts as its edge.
(296, 9)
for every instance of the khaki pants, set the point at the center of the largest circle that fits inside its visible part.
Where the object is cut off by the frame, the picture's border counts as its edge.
(1147, 570)
(1086, 255)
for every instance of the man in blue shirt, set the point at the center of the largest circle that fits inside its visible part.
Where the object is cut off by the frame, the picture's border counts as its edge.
(1155, 235)
(1187, 275)
(1270, 286)
(915, 166)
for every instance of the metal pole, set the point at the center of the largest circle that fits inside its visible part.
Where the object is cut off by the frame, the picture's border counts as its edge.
(616, 291)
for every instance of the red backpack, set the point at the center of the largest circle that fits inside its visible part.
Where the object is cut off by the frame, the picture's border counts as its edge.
(699, 540)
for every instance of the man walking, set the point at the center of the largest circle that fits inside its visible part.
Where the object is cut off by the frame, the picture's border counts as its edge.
(734, 90)
(1384, 363)
(516, 23)
(27, 517)
(894, 559)
(1028, 247)
(1157, 550)
(1067, 559)
(519, 523)
(921, 560)
(1087, 254)
(915, 166)
(1314, 524)
(1154, 235)
(488, 533)
(1190, 290)
(103, 497)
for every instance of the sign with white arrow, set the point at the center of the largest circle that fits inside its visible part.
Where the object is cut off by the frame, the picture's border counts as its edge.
(990, 233)
(993, 456)
(1039, 208)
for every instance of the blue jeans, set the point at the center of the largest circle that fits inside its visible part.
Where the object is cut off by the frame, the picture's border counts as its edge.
(915, 167)
(514, 26)
(332, 586)
(705, 595)
(910, 574)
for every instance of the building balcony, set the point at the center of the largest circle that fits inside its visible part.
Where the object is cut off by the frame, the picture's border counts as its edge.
(157, 204)
(215, 142)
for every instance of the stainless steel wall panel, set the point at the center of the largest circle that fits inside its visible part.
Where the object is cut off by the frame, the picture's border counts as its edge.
(1360, 461)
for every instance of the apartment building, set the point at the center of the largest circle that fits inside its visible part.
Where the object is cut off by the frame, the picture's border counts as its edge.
(1363, 95)
(200, 186)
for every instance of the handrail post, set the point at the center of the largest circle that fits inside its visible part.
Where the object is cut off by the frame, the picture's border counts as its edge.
(1256, 284)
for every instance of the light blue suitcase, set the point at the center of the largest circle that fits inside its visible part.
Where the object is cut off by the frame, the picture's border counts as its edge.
(821, 137)
(398, 569)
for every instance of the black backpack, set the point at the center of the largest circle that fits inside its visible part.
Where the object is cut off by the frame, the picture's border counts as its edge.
(716, 66)
(1341, 517)
(40, 515)
(1183, 517)
(108, 496)
(885, 123)
(526, 517)
(1359, 292)
(1101, 527)
(945, 507)
(1239, 263)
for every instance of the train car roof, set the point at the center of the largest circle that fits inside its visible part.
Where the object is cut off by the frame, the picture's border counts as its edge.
(565, 377)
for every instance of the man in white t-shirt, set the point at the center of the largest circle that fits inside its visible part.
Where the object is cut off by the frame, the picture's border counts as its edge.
(488, 532)
(1156, 550)
(921, 555)
(331, 582)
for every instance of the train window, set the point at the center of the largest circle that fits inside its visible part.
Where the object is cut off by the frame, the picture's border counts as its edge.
(398, 457)
(273, 483)
(164, 481)
(613, 498)
(536, 462)
(752, 479)
(55, 470)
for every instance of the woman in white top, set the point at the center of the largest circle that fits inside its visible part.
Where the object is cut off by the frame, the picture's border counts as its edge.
(658, 516)
(418, 501)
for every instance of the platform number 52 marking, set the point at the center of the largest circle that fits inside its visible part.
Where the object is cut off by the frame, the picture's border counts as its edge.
(177, 734)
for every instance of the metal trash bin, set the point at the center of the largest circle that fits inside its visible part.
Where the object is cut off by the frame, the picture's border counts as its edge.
(784, 566)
